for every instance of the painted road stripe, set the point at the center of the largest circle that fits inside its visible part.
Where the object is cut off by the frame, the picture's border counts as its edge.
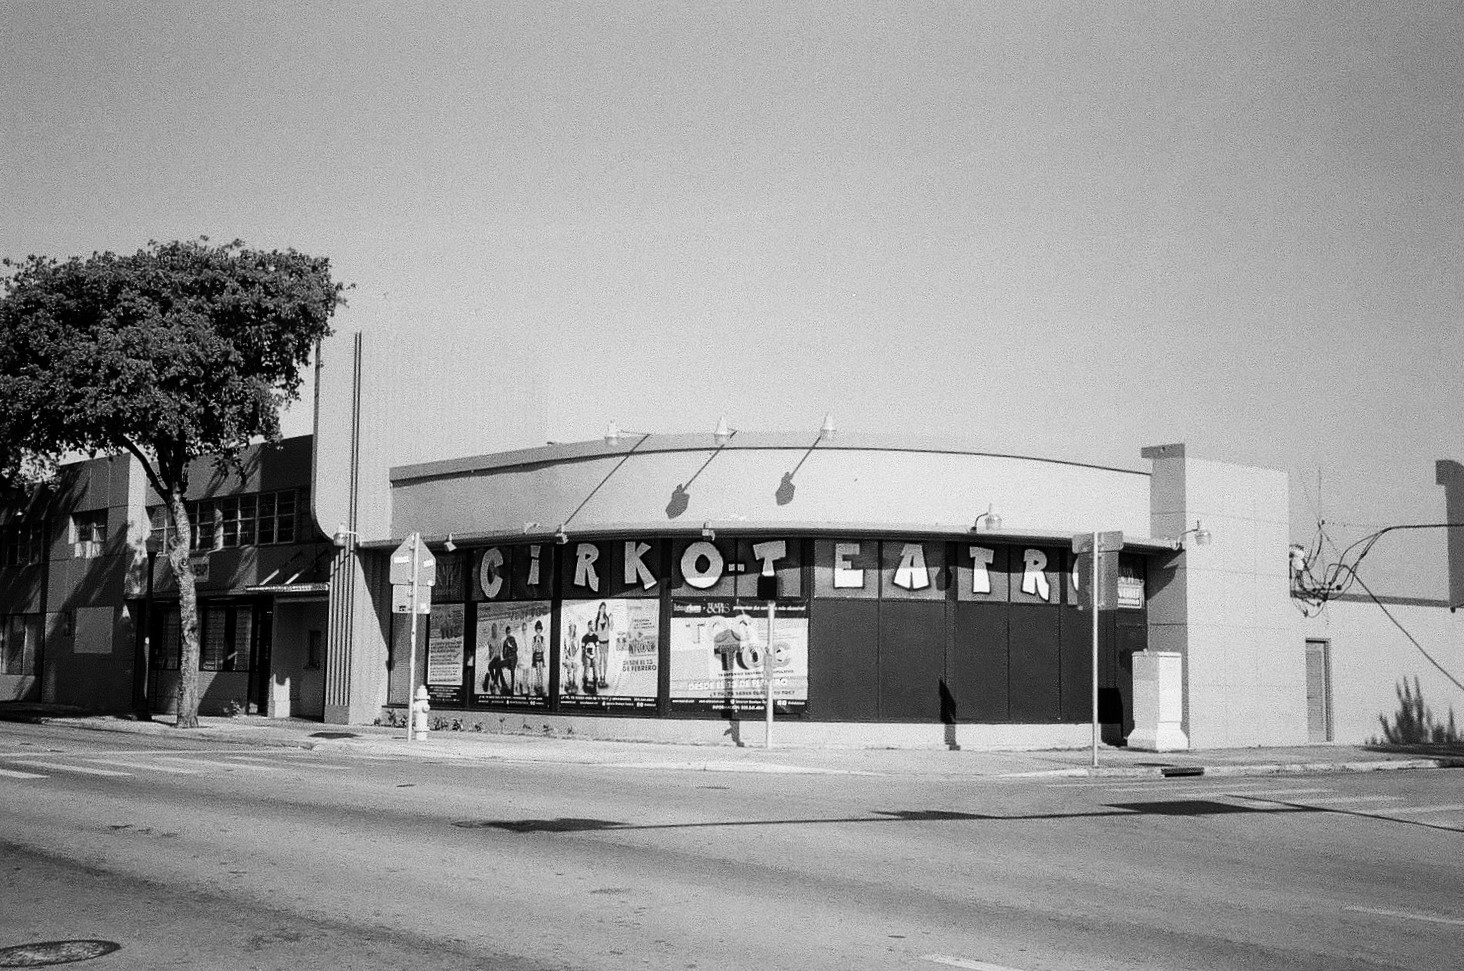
(1338, 800)
(966, 963)
(1261, 793)
(220, 765)
(1420, 810)
(1405, 915)
(148, 766)
(1213, 790)
(59, 767)
(17, 774)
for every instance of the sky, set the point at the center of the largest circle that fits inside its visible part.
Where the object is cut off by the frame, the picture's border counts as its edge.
(1067, 230)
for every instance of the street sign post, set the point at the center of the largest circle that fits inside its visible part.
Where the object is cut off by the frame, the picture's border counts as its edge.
(413, 573)
(1098, 547)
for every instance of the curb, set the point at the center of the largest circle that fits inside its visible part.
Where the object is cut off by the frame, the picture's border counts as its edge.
(1252, 769)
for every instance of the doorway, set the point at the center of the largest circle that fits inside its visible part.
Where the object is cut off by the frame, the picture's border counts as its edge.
(1318, 690)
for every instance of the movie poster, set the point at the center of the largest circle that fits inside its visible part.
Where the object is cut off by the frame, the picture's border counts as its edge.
(609, 654)
(511, 661)
(717, 648)
(445, 654)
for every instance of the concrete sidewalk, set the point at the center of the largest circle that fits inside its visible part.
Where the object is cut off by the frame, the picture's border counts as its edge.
(527, 748)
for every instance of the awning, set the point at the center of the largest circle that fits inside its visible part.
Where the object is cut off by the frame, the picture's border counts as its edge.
(300, 576)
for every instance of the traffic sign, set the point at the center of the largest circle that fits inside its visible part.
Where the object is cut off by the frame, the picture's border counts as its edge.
(401, 599)
(1109, 542)
(413, 550)
(1109, 546)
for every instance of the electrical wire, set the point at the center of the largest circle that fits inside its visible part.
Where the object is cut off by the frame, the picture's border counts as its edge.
(1389, 614)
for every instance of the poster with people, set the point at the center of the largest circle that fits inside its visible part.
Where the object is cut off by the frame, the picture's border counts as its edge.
(511, 660)
(445, 654)
(609, 653)
(717, 649)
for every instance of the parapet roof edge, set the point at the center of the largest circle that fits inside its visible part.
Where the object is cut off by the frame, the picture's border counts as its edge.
(565, 452)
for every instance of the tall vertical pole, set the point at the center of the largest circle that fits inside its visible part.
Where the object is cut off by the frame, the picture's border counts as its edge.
(768, 673)
(1095, 595)
(412, 652)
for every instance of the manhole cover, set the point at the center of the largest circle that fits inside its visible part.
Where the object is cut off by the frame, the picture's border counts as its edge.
(54, 952)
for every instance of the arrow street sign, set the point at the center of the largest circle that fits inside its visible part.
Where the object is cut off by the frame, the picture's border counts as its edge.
(402, 559)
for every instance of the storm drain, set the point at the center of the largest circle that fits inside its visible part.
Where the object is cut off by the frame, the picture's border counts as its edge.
(54, 952)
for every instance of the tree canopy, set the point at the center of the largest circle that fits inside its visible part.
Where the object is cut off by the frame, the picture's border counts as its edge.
(180, 350)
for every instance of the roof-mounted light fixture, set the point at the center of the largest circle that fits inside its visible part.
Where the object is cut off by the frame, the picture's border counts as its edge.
(450, 546)
(708, 533)
(560, 536)
(723, 433)
(987, 522)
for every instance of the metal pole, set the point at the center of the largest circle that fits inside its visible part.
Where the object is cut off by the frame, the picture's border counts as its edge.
(1094, 595)
(768, 672)
(412, 652)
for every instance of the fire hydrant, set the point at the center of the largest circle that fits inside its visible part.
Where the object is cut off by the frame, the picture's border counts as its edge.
(421, 708)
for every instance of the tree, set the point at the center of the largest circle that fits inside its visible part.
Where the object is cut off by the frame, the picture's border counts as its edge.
(179, 351)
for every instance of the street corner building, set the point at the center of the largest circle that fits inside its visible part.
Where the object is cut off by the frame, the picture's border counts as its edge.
(894, 591)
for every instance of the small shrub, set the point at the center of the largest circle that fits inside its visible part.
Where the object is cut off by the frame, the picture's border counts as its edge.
(1414, 723)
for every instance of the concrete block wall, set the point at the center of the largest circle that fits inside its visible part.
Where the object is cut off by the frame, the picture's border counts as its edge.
(1225, 607)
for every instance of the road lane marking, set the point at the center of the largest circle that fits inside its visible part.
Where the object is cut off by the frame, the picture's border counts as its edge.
(222, 765)
(1338, 800)
(17, 774)
(1212, 790)
(61, 767)
(1405, 915)
(1420, 810)
(1254, 793)
(966, 963)
(148, 766)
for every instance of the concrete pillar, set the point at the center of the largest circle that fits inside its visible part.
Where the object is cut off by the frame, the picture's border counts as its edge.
(1225, 608)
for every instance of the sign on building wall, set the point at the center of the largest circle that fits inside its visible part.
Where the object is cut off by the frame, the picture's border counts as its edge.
(717, 650)
(445, 654)
(609, 653)
(510, 663)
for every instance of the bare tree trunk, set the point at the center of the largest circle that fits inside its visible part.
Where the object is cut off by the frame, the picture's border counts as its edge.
(178, 559)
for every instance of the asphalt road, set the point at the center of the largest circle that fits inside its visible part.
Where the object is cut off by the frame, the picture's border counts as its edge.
(220, 856)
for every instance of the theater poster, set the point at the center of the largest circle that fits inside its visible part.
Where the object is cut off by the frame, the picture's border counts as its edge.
(609, 654)
(510, 665)
(717, 648)
(445, 654)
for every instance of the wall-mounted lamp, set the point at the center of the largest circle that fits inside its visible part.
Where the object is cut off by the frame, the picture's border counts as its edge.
(708, 532)
(826, 430)
(1201, 534)
(341, 533)
(989, 521)
(724, 432)
(560, 536)
(450, 546)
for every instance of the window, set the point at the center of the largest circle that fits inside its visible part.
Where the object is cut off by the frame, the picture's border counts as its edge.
(20, 634)
(257, 519)
(23, 543)
(226, 635)
(167, 640)
(89, 534)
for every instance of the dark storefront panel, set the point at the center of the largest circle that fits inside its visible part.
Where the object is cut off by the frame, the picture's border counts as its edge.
(912, 636)
(1034, 665)
(979, 664)
(1077, 661)
(843, 669)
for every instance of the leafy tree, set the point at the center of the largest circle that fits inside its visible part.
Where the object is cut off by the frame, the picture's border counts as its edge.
(179, 351)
